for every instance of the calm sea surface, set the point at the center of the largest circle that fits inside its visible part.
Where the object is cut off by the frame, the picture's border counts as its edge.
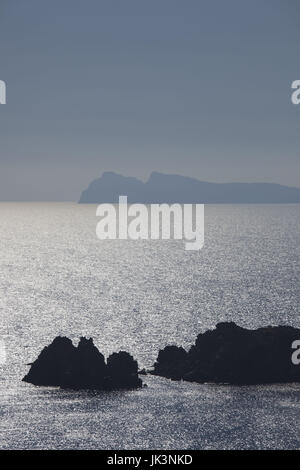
(57, 278)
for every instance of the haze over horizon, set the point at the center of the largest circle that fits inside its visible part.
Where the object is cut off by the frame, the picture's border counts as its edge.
(195, 88)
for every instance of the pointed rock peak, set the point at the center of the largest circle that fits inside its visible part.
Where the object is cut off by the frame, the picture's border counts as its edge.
(61, 339)
(86, 343)
(61, 342)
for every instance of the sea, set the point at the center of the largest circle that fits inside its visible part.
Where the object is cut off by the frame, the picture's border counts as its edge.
(58, 278)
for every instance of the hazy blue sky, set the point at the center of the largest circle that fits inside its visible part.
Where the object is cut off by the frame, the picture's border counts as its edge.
(193, 87)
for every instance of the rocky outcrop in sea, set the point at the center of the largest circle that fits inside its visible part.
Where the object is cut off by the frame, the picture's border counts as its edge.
(234, 355)
(61, 364)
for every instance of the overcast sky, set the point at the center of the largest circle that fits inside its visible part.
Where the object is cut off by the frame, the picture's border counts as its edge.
(192, 87)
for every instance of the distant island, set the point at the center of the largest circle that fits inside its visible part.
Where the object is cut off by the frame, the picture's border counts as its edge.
(164, 188)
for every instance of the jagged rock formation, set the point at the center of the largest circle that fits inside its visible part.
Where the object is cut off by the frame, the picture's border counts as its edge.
(234, 355)
(61, 364)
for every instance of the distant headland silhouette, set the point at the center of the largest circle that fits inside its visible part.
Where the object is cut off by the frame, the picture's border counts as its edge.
(165, 188)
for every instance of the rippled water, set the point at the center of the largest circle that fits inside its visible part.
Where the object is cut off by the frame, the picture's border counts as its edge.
(56, 277)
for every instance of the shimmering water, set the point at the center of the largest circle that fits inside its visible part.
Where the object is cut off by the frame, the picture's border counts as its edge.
(56, 277)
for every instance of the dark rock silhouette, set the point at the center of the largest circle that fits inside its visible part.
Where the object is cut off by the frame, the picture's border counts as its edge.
(122, 369)
(171, 362)
(61, 364)
(234, 355)
(163, 188)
